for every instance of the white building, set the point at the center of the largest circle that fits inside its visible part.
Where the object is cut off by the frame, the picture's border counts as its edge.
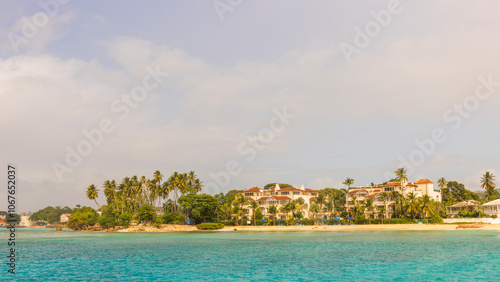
(279, 196)
(25, 220)
(492, 208)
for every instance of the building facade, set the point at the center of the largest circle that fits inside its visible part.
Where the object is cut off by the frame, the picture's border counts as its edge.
(278, 196)
(358, 196)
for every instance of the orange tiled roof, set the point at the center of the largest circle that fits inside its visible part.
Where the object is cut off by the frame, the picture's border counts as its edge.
(281, 197)
(424, 181)
(312, 199)
(372, 195)
(353, 191)
(263, 199)
(252, 190)
(311, 190)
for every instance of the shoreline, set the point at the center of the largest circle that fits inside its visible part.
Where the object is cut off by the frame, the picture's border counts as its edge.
(348, 228)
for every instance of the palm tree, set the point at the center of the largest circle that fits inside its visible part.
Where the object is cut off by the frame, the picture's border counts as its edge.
(368, 206)
(254, 205)
(488, 184)
(320, 200)
(427, 206)
(349, 181)
(412, 205)
(109, 191)
(93, 193)
(241, 200)
(396, 197)
(402, 177)
(329, 208)
(273, 210)
(383, 196)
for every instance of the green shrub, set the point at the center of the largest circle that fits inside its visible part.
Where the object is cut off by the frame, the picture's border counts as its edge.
(125, 219)
(230, 222)
(173, 218)
(494, 216)
(210, 226)
(146, 213)
(436, 219)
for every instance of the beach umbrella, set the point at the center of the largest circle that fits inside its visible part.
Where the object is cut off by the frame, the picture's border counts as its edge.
(323, 219)
(263, 219)
(298, 219)
(350, 218)
(337, 218)
(279, 219)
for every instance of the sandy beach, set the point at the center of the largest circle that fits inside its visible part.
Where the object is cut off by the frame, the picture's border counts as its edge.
(373, 227)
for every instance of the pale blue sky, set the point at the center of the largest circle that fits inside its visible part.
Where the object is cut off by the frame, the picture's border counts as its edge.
(352, 119)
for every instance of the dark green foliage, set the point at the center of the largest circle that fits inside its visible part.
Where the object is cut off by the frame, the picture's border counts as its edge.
(386, 221)
(200, 207)
(16, 218)
(258, 215)
(210, 226)
(50, 214)
(229, 223)
(146, 213)
(272, 185)
(456, 192)
(125, 219)
(83, 218)
(436, 219)
(470, 214)
(173, 218)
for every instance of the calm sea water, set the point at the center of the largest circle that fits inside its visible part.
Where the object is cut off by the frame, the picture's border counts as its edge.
(47, 255)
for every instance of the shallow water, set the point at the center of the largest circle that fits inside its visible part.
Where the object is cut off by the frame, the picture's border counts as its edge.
(47, 255)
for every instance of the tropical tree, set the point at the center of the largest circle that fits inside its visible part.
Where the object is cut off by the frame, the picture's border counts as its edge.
(412, 205)
(274, 211)
(488, 185)
(349, 181)
(320, 200)
(241, 201)
(368, 207)
(383, 196)
(93, 194)
(398, 203)
(402, 177)
(427, 206)
(254, 205)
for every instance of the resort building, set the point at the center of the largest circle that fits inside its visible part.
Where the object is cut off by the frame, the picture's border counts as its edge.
(492, 208)
(64, 217)
(382, 199)
(278, 196)
(453, 211)
(2, 220)
(25, 220)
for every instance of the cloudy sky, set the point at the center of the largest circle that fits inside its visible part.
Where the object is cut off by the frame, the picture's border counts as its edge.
(246, 92)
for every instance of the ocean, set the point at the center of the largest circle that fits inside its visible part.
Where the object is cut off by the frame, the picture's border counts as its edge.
(48, 255)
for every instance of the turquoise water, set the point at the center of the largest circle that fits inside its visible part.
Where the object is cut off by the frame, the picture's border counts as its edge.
(47, 255)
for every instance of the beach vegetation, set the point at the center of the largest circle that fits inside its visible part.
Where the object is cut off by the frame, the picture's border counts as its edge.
(83, 218)
(488, 184)
(210, 226)
(200, 207)
(50, 214)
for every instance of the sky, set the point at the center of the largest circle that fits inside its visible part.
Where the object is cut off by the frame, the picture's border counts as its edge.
(245, 93)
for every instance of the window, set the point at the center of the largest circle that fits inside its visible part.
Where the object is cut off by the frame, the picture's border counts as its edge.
(285, 193)
(296, 193)
(248, 194)
(314, 194)
(389, 189)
